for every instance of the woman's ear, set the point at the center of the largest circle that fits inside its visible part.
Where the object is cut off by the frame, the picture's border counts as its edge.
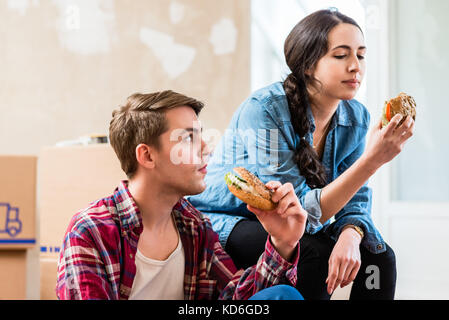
(145, 156)
(309, 72)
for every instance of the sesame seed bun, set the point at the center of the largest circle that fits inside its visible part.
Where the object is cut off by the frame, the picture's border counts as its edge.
(250, 189)
(402, 104)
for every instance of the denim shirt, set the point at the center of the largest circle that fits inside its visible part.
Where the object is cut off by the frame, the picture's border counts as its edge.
(261, 138)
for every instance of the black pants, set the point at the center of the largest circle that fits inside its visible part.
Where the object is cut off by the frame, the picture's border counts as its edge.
(376, 278)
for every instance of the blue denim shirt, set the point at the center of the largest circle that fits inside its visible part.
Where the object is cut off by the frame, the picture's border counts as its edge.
(261, 138)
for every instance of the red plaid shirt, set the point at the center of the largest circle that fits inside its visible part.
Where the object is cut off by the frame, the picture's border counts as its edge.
(97, 256)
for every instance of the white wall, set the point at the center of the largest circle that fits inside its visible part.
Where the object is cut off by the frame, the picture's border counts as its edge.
(417, 211)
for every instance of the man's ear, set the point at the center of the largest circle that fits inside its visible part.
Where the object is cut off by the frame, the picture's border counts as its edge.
(145, 156)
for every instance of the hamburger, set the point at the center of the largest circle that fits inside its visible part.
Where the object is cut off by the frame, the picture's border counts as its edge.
(402, 104)
(249, 189)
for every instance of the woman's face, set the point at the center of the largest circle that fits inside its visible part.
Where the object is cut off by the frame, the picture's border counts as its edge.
(341, 70)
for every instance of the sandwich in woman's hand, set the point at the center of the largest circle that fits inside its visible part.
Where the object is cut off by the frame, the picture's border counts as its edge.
(402, 104)
(249, 189)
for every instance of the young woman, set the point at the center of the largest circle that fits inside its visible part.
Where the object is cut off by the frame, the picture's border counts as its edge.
(310, 132)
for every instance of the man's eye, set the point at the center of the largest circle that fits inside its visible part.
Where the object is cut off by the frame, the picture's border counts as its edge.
(361, 57)
(188, 138)
(340, 57)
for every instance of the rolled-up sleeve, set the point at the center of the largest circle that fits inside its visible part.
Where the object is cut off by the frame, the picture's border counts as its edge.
(358, 212)
(311, 203)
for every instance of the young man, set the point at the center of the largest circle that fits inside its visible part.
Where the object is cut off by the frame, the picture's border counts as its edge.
(146, 241)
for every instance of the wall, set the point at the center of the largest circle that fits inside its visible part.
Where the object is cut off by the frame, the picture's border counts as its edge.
(418, 215)
(67, 64)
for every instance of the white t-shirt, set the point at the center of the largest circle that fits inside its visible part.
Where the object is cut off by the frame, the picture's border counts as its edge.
(159, 280)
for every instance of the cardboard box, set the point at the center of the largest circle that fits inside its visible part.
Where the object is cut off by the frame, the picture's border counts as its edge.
(70, 178)
(17, 202)
(48, 277)
(13, 274)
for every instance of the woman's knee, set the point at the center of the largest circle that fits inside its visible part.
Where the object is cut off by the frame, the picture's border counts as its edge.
(385, 262)
(387, 259)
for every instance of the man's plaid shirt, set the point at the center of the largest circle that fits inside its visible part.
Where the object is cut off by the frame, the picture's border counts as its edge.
(98, 252)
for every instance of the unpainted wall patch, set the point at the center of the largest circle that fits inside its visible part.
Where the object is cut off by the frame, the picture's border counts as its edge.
(86, 26)
(21, 6)
(175, 58)
(223, 36)
(177, 11)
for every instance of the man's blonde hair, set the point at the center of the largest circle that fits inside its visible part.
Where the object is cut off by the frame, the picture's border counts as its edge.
(142, 120)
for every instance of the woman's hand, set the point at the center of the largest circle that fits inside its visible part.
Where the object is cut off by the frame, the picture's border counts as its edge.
(286, 223)
(386, 143)
(344, 262)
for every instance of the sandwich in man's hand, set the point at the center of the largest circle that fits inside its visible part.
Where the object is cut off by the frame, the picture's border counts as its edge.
(249, 189)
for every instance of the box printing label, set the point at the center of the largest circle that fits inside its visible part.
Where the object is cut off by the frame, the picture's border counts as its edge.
(9, 220)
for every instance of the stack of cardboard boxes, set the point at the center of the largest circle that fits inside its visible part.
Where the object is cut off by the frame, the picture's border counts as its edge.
(17, 222)
(69, 179)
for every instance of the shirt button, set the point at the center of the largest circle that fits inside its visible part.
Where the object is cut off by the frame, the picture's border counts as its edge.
(379, 246)
(130, 255)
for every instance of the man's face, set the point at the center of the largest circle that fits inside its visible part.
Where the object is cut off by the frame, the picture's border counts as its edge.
(180, 162)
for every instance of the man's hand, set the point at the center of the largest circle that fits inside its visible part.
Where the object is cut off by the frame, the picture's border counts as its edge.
(286, 223)
(344, 262)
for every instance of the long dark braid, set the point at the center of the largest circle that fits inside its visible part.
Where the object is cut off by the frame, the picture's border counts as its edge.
(304, 46)
(306, 158)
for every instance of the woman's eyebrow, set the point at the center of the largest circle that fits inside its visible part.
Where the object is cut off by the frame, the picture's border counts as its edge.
(348, 47)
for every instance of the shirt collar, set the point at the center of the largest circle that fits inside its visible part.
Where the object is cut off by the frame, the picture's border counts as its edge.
(129, 214)
(341, 116)
(127, 210)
